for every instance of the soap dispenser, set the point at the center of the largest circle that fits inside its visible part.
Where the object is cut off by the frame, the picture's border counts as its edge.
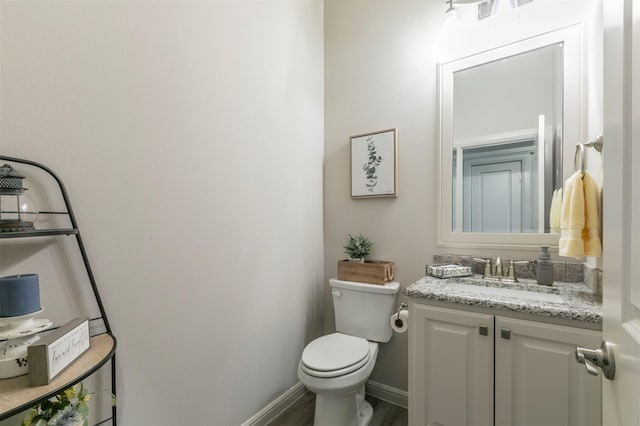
(544, 271)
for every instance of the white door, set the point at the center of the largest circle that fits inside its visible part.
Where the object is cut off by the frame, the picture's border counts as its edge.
(621, 154)
(495, 198)
(500, 187)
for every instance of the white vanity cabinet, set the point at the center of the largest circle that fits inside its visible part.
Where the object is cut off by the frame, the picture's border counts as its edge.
(450, 367)
(537, 379)
(458, 358)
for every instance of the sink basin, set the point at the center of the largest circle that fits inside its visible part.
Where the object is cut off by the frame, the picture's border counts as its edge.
(530, 286)
(508, 292)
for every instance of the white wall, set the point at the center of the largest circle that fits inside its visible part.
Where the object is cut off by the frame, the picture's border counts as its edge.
(190, 137)
(380, 72)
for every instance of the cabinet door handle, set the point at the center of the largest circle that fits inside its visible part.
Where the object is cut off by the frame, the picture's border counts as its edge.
(483, 330)
(505, 333)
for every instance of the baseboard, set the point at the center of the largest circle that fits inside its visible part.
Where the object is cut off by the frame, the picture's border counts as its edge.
(387, 393)
(297, 391)
(277, 406)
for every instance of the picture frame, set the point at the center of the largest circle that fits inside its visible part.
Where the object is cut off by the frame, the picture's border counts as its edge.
(374, 164)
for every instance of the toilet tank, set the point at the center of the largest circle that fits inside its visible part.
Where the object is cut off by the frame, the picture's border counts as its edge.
(363, 310)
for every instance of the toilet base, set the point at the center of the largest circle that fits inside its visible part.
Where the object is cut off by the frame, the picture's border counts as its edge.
(345, 410)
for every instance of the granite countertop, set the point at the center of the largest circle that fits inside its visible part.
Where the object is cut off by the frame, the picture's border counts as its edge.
(569, 301)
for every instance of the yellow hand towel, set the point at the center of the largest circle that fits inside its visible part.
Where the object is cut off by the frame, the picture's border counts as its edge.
(572, 218)
(591, 231)
(552, 219)
(554, 211)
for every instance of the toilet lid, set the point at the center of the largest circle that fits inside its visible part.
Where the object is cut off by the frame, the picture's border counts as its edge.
(335, 352)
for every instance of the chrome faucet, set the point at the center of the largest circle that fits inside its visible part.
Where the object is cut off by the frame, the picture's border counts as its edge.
(495, 271)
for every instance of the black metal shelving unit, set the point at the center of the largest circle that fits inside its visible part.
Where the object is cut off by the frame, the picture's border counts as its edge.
(110, 351)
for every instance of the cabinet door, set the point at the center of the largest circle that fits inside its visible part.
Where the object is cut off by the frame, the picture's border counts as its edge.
(538, 381)
(450, 367)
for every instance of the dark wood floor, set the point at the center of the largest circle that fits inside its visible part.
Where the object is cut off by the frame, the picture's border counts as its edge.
(301, 413)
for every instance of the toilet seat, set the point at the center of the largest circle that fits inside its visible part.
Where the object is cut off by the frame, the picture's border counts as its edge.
(335, 355)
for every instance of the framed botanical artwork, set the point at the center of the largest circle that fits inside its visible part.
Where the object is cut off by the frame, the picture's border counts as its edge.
(374, 164)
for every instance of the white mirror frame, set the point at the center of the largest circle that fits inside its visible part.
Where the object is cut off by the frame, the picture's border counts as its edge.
(573, 105)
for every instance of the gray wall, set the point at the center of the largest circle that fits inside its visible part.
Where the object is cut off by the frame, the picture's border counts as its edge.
(379, 74)
(533, 80)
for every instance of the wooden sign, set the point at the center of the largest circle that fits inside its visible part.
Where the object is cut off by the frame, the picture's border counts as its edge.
(57, 350)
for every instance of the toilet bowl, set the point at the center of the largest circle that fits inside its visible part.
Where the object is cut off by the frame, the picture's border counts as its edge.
(336, 367)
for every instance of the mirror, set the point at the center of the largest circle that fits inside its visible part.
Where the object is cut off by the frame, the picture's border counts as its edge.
(506, 156)
(509, 121)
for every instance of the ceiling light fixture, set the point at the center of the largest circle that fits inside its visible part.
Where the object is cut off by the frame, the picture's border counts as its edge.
(467, 2)
(485, 8)
(451, 11)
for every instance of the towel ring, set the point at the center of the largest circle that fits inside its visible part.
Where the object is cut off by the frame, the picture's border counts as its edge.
(597, 144)
(579, 149)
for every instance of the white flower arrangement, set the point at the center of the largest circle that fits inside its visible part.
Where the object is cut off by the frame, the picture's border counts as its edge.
(68, 408)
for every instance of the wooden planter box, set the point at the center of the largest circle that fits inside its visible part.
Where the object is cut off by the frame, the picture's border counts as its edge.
(370, 272)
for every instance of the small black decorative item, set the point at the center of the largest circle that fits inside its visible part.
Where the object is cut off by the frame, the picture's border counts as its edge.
(17, 210)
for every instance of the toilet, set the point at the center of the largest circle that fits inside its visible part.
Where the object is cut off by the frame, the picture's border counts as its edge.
(335, 367)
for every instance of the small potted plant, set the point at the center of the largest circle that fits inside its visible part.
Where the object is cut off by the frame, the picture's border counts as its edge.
(358, 248)
(357, 268)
